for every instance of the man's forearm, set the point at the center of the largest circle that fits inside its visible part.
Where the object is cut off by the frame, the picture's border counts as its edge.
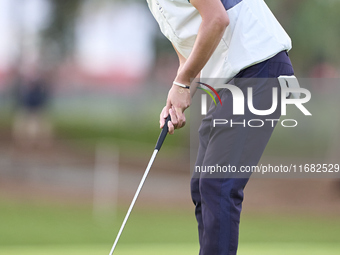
(208, 37)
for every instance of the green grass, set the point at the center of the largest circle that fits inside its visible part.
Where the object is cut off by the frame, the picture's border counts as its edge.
(27, 224)
(28, 229)
(178, 249)
(292, 229)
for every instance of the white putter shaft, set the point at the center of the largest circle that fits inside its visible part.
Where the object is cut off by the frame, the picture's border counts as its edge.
(134, 199)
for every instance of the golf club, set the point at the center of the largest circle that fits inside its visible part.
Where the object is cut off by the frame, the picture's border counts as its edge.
(160, 141)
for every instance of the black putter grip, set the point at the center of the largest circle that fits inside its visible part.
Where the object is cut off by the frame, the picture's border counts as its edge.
(163, 134)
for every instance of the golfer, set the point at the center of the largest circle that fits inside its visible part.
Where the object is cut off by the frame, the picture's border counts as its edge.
(233, 40)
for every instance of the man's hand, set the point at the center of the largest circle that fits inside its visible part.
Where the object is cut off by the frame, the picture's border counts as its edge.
(178, 100)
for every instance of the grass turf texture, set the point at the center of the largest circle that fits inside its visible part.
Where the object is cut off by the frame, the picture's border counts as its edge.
(182, 249)
(50, 229)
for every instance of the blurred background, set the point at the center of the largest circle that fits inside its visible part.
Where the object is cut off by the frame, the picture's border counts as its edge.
(81, 87)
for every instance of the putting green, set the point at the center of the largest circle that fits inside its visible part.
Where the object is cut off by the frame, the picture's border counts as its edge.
(28, 229)
(178, 249)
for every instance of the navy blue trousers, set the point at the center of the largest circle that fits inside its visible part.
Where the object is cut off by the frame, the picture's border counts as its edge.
(218, 201)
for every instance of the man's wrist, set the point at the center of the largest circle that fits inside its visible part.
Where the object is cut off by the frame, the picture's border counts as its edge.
(183, 78)
(181, 85)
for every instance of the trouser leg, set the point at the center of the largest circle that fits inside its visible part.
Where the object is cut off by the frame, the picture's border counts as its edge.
(195, 180)
(219, 200)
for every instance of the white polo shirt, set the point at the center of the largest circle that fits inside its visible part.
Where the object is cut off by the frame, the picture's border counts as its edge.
(253, 34)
